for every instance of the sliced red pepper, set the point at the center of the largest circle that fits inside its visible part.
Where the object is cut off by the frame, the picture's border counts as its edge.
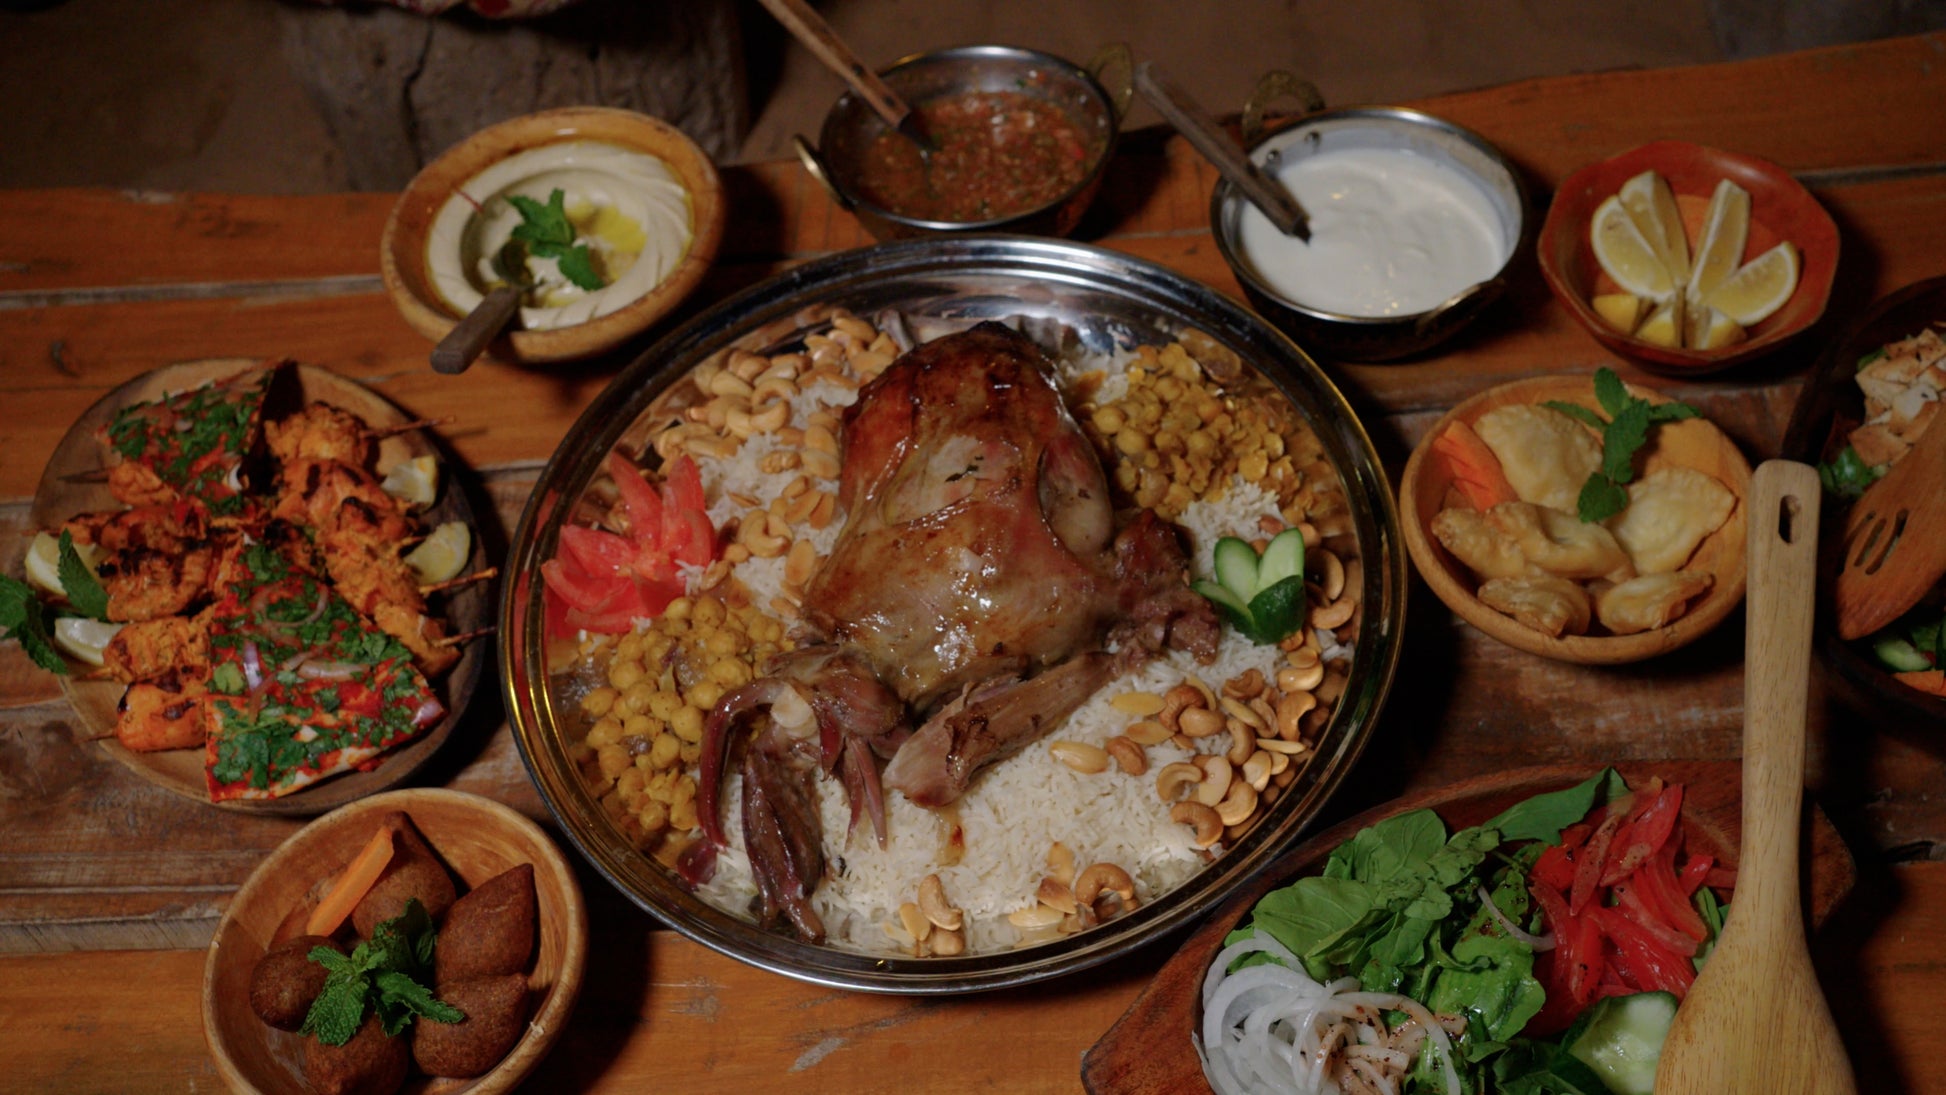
(1645, 834)
(1591, 862)
(1693, 873)
(1555, 867)
(1650, 916)
(1637, 952)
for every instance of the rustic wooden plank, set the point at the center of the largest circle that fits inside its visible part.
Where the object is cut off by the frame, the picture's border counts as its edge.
(656, 1009)
(1846, 106)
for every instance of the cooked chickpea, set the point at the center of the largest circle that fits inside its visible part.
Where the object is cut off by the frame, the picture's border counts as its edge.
(604, 732)
(598, 701)
(704, 694)
(622, 674)
(662, 753)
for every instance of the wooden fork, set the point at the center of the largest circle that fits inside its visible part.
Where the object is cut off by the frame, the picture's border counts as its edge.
(1894, 540)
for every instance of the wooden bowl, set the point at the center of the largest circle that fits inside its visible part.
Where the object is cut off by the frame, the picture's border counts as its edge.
(1148, 1052)
(1693, 443)
(1829, 408)
(1780, 209)
(404, 250)
(477, 838)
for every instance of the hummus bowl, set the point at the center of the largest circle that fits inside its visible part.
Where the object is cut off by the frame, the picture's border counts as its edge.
(643, 198)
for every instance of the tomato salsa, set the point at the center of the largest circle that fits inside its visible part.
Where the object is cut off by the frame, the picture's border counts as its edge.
(995, 154)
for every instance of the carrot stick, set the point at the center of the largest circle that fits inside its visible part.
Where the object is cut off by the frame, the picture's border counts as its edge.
(1475, 470)
(352, 885)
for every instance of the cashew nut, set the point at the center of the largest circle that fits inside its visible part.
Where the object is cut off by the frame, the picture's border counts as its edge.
(1083, 758)
(1101, 877)
(1217, 774)
(1242, 712)
(1128, 755)
(1175, 702)
(1256, 770)
(932, 902)
(1242, 745)
(1279, 745)
(1290, 709)
(1035, 916)
(1208, 826)
(916, 924)
(1330, 571)
(1060, 862)
(1300, 678)
(1327, 617)
(1055, 895)
(1199, 722)
(1169, 782)
(1245, 685)
(1238, 805)
(1140, 704)
(947, 942)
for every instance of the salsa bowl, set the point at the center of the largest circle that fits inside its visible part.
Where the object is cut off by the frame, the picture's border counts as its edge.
(1100, 303)
(874, 172)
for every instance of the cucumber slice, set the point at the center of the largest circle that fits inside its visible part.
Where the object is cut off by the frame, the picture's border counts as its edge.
(1283, 558)
(1898, 655)
(1237, 567)
(1620, 1038)
(1225, 600)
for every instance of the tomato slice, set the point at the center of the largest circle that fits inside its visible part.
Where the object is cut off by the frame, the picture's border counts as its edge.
(1590, 863)
(1640, 958)
(1555, 867)
(1662, 891)
(682, 486)
(1650, 916)
(639, 500)
(1693, 873)
(575, 585)
(595, 551)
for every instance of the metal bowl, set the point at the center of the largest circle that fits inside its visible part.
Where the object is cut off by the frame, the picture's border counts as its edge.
(851, 127)
(1380, 338)
(1110, 301)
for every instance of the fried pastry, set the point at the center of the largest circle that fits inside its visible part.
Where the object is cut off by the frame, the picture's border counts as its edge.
(1669, 512)
(1553, 606)
(1545, 455)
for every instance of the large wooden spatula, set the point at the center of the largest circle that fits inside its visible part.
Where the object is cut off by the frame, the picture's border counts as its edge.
(1755, 1022)
(1895, 540)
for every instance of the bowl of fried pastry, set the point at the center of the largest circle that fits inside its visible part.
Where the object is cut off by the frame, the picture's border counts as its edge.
(1579, 518)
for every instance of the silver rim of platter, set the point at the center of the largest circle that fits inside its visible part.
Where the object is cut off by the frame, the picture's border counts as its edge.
(1110, 301)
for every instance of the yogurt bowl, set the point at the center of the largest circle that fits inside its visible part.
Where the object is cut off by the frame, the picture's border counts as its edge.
(642, 199)
(1414, 222)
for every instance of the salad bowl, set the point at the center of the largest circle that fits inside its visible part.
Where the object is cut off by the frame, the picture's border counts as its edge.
(1149, 1047)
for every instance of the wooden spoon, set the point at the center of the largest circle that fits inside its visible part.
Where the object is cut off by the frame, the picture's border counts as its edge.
(1201, 131)
(489, 317)
(809, 28)
(1895, 541)
(1755, 1020)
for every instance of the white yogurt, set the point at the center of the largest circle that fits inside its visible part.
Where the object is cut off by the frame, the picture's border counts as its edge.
(639, 190)
(1392, 234)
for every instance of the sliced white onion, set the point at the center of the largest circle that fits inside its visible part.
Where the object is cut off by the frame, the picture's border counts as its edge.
(253, 666)
(317, 669)
(1537, 942)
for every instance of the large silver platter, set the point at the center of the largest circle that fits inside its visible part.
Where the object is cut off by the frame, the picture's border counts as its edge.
(1112, 301)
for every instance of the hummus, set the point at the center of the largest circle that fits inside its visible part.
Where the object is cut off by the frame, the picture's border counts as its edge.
(627, 206)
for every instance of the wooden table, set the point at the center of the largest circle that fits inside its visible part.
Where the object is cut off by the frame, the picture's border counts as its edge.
(108, 886)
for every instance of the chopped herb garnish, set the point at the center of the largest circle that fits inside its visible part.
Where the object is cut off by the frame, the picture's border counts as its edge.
(387, 973)
(1848, 475)
(24, 617)
(547, 232)
(1623, 434)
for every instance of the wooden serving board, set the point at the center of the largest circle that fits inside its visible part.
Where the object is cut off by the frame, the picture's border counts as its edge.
(1148, 1049)
(68, 486)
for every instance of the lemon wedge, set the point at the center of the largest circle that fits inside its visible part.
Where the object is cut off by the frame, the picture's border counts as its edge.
(1705, 328)
(414, 482)
(1622, 311)
(1664, 325)
(43, 562)
(1719, 250)
(442, 555)
(1626, 254)
(1759, 287)
(1652, 205)
(84, 638)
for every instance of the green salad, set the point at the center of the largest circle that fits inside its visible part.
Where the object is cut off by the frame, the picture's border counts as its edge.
(1541, 952)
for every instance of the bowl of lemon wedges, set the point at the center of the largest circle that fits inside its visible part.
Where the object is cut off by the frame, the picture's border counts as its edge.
(1688, 259)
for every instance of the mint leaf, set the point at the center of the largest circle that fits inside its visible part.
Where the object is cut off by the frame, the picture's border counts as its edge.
(385, 972)
(1577, 412)
(1610, 392)
(340, 1006)
(578, 266)
(542, 225)
(79, 583)
(1600, 499)
(23, 617)
(401, 999)
(1672, 411)
(1623, 438)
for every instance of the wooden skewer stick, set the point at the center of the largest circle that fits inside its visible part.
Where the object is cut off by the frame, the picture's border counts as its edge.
(379, 433)
(462, 580)
(464, 636)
